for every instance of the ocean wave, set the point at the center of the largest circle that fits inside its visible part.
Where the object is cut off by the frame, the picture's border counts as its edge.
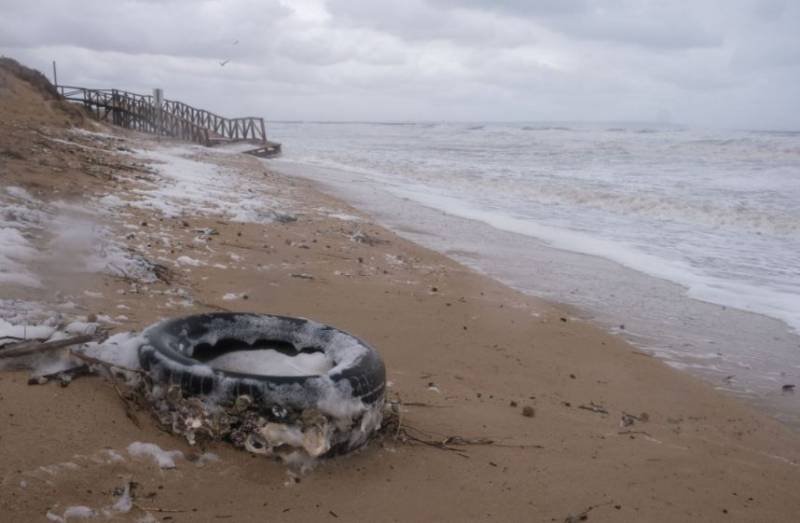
(700, 284)
(546, 128)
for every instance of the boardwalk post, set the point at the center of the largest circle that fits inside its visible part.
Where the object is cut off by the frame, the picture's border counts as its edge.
(158, 99)
(55, 76)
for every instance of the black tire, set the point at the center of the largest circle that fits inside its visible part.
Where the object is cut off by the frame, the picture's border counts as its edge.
(176, 350)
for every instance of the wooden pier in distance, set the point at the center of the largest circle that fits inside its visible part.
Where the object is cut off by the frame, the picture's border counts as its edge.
(171, 118)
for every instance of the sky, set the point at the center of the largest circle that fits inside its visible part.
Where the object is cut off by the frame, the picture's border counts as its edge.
(703, 63)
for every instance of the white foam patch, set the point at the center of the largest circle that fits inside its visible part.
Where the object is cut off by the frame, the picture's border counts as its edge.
(186, 185)
(273, 363)
(15, 252)
(744, 296)
(186, 260)
(48, 233)
(24, 332)
(120, 349)
(164, 458)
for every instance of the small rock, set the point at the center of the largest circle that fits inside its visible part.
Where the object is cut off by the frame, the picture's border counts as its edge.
(789, 387)
(528, 411)
(512, 404)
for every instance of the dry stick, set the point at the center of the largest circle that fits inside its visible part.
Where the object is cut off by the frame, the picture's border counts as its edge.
(420, 404)
(448, 442)
(7, 340)
(334, 256)
(243, 247)
(436, 444)
(158, 509)
(64, 376)
(94, 361)
(25, 348)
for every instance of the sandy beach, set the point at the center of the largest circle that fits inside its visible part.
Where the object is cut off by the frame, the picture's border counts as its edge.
(612, 434)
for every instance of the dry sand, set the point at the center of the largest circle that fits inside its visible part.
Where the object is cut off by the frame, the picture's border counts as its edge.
(463, 352)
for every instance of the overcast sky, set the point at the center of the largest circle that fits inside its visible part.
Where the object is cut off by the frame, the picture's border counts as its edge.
(724, 63)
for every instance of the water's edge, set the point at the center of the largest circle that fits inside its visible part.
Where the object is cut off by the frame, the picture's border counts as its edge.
(742, 353)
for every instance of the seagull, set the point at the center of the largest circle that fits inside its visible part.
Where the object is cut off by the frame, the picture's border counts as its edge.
(235, 42)
(222, 63)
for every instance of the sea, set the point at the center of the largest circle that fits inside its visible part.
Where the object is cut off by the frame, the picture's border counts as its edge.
(685, 241)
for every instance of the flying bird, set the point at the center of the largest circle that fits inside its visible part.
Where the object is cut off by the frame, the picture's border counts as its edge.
(222, 63)
(235, 42)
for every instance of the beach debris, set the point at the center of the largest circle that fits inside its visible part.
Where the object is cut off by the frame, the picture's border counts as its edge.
(367, 239)
(283, 217)
(584, 515)
(395, 428)
(25, 348)
(165, 459)
(302, 276)
(207, 232)
(64, 377)
(528, 411)
(629, 419)
(296, 423)
(594, 407)
(124, 495)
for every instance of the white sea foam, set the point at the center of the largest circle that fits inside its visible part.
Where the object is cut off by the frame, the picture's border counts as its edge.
(272, 363)
(700, 284)
(671, 232)
(185, 184)
(715, 212)
(165, 459)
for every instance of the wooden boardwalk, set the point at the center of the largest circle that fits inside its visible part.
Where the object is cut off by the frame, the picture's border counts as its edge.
(172, 118)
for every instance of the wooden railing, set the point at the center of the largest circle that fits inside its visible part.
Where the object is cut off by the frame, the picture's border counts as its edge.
(172, 118)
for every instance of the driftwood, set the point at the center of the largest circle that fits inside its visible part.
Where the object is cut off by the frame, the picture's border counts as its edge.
(594, 407)
(64, 377)
(95, 361)
(32, 347)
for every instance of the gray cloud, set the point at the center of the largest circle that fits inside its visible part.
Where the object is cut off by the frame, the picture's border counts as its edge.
(706, 62)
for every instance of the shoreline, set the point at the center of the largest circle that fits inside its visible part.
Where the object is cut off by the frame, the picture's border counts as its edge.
(707, 340)
(614, 431)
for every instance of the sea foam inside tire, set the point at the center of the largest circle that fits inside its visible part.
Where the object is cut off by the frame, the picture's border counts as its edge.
(312, 388)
